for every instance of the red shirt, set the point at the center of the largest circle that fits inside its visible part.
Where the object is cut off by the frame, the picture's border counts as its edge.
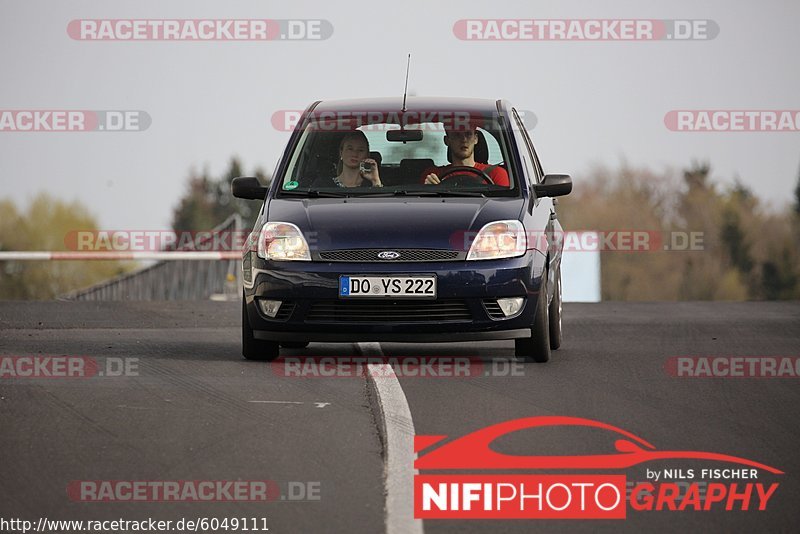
(498, 174)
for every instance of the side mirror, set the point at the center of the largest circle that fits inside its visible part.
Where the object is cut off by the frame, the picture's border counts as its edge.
(248, 187)
(553, 185)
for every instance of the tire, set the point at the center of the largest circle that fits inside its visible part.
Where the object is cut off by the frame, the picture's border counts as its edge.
(537, 347)
(252, 348)
(554, 314)
(294, 344)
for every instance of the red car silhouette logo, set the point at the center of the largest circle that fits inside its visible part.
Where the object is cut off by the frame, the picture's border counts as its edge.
(472, 451)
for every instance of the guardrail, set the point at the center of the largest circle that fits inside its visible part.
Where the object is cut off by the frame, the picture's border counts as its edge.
(116, 256)
(177, 275)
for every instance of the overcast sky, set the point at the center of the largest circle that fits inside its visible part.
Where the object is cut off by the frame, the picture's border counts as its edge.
(596, 102)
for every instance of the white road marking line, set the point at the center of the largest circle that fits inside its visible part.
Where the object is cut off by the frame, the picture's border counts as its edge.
(398, 429)
(275, 402)
(316, 404)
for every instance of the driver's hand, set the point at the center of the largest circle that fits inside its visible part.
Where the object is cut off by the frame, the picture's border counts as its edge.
(432, 179)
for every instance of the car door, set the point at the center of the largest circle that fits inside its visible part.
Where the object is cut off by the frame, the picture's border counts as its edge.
(555, 230)
(543, 224)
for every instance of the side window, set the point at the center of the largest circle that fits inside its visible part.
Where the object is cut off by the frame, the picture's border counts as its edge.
(495, 153)
(535, 156)
(526, 149)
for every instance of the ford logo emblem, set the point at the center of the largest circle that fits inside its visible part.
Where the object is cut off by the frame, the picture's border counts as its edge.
(388, 255)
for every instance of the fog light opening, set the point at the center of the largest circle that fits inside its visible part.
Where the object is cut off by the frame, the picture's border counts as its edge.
(270, 307)
(510, 306)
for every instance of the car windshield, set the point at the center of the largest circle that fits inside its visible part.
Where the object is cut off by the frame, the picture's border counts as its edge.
(399, 154)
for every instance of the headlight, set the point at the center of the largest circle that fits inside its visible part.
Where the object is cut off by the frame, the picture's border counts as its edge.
(282, 242)
(500, 239)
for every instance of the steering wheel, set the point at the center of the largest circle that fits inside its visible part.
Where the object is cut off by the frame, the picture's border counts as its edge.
(446, 175)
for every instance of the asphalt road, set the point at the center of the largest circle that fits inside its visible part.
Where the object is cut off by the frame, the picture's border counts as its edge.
(188, 408)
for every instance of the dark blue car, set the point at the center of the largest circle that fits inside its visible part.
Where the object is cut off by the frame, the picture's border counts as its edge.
(426, 220)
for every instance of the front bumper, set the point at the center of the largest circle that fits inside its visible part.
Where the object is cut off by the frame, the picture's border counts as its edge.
(468, 287)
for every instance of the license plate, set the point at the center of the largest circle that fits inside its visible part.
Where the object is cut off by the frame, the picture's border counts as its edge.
(419, 286)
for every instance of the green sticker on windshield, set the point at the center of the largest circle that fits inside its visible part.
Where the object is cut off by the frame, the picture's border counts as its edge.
(291, 185)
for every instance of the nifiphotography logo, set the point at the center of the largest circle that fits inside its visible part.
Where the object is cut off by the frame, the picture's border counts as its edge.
(500, 486)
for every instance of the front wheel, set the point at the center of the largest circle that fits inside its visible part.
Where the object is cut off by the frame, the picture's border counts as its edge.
(252, 348)
(537, 347)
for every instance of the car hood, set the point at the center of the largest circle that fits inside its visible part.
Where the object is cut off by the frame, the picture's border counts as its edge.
(353, 223)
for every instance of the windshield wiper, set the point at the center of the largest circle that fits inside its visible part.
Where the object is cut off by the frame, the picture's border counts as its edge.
(315, 194)
(457, 193)
(399, 193)
(425, 193)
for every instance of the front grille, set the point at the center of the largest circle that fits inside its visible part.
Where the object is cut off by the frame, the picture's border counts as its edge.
(388, 311)
(371, 255)
(493, 309)
(285, 311)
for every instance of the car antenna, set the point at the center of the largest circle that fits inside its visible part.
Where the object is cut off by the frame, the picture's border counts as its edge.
(405, 91)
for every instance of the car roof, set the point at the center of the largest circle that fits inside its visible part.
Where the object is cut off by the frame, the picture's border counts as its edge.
(413, 103)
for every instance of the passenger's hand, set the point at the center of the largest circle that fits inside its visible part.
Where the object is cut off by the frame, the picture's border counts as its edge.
(432, 179)
(373, 176)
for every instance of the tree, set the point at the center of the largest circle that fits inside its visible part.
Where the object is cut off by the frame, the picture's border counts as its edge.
(733, 236)
(748, 252)
(780, 277)
(696, 176)
(797, 196)
(208, 201)
(44, 226)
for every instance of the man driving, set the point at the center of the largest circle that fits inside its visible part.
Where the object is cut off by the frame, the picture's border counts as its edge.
(462, 142)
